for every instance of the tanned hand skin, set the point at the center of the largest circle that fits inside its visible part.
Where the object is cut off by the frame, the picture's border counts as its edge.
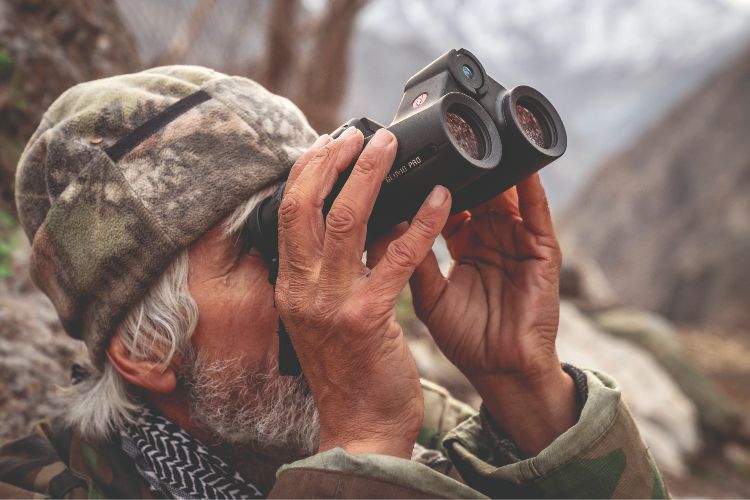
(495, 315)
(341, 314)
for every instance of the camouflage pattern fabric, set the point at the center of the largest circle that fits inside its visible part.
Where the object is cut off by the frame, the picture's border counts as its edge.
(53, 462)
(602, 456)
(102, 231)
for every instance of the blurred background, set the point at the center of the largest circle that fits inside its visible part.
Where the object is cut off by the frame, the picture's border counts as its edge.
(652, 198)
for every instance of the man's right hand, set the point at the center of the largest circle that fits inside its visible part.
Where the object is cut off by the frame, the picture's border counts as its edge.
(340, 314)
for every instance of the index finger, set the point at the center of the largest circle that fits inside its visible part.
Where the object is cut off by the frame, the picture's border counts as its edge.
(300, 212)
(346, 224)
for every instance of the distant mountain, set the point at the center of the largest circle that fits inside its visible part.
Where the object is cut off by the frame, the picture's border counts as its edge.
(668, 218)
(610, 67)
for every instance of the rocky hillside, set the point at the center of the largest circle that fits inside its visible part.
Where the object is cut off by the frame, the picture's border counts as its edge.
(668, 219)
(36, 356)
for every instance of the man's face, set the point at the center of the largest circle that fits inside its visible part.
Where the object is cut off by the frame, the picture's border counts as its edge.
(235, 301)
(232, 376)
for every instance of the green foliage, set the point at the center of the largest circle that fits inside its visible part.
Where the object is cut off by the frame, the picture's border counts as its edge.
(9, 82)
(9, 236)
(6, 66)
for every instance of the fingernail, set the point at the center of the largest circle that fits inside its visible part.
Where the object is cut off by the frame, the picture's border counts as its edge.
(382, 138)
(348, 132)
(321, 140)
(437, 197)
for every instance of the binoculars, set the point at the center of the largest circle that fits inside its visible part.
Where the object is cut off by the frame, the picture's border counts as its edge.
(455, 126)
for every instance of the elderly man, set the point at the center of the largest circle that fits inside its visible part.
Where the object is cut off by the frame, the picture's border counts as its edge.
(134, 192)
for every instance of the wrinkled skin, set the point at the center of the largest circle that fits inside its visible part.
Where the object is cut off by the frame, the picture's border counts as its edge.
(495, 316)
(341, 314)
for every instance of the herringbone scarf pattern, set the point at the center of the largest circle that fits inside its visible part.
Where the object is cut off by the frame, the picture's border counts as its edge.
(177, 465)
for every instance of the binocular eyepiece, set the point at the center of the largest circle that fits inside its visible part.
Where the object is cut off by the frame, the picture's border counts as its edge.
(456, 127)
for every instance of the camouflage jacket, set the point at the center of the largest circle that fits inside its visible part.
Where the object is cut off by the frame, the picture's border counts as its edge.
(602, 456)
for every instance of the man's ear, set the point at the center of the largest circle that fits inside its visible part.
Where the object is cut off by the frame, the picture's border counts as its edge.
(142, 373)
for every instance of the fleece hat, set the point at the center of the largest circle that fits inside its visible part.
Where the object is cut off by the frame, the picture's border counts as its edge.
(125, 172)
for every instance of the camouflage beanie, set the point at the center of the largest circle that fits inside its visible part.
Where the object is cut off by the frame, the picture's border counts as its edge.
(125, 172)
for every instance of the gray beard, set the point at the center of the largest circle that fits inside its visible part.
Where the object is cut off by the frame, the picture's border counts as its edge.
(252, 406)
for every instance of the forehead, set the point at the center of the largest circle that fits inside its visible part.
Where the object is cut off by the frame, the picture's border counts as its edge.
(213, 248)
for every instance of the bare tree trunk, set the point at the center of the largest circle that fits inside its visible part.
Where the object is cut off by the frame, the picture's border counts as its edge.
(45, 48)
(307, 60)
(323, 79)
(184, 37)
(283, 46)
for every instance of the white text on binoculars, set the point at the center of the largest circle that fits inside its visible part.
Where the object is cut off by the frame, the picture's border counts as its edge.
(403, 169)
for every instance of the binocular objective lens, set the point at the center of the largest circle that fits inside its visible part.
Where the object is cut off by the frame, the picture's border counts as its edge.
(468, 72)
(533, 126)
(465, 136)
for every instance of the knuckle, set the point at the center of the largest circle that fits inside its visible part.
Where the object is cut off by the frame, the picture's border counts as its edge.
(424, 227)
(291, 207)
(341, 219)
(367, 164)
(324, 154)
(402, 253)
(540, 204)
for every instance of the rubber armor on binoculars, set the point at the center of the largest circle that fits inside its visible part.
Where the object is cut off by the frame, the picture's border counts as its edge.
(456, 127)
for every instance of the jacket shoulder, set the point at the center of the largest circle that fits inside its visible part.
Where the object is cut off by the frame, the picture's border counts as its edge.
(36, 464)
(442, 412)
(54, 461)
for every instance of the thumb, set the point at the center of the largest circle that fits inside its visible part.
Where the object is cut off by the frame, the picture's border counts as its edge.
(427, 286)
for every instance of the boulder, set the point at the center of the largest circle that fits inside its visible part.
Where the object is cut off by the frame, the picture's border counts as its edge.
(666, 417)
(718, 415)
(582, 281)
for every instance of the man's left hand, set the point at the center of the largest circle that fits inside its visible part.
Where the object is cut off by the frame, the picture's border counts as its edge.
(496, 314)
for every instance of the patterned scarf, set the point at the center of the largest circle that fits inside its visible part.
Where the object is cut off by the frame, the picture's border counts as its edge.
(179, 466)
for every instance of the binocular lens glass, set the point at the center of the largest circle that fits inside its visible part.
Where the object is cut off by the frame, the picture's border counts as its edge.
(465, 136)
(533, 125)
